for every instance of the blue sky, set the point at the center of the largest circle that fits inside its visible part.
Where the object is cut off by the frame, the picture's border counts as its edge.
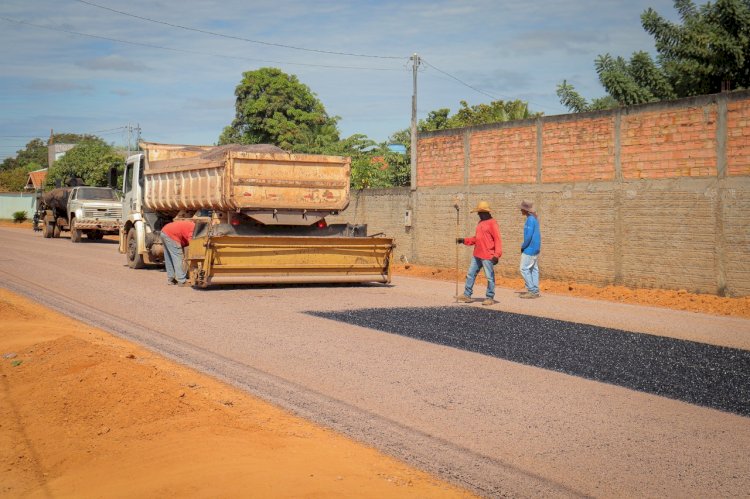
(178, 84)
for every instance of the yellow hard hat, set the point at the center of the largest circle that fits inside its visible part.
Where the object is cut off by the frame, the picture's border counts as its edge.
(483, 206)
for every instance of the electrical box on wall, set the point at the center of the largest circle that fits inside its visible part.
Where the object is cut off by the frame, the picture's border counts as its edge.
(407, 218)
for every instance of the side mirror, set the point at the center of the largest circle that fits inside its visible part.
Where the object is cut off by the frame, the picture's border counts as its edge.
(112, 177)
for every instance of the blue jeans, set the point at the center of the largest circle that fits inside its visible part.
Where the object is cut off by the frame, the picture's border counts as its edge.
(530, 272)
(173, 259)
(489, 272)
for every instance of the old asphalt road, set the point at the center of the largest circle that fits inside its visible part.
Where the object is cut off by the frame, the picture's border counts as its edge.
(516, 406)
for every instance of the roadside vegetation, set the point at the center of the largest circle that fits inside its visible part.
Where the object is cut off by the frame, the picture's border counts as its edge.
(708, 52)
(20, 217)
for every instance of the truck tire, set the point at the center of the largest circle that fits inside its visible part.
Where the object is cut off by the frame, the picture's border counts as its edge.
(75, 234)
(135, 260)
(56, 230)
(47, 230)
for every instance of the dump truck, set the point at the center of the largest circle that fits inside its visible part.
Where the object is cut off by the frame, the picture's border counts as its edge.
(260, 215)
(93, 211)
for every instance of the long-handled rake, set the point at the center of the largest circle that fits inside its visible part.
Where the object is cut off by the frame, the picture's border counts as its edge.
(458, 217)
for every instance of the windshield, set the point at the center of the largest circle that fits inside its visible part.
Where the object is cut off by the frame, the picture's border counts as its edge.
(102, 193)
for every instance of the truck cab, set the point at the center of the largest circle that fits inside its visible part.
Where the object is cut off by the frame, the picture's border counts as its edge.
(93, 211)
(139, 226)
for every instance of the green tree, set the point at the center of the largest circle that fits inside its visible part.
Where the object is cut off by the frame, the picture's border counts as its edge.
(373, 165)
(90, 160)
(8, 164)
(708, 52)
(15, 180)
(481, 114)
(495, 112)
(72, 138)
(276, 108)
(36, 151)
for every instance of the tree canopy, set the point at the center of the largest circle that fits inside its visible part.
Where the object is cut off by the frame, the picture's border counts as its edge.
(481, 114)
(709, 51)
(14, 171)
(495, 112)
(276, 108)
(90, 160)
(15, 179)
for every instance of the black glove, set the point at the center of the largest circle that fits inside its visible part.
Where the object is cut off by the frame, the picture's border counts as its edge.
(495, 260)
(460, 240)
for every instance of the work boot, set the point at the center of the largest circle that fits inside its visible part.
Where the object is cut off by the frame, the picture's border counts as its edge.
(463, 299)
(183, 284)
(529, 295)
(488, 302)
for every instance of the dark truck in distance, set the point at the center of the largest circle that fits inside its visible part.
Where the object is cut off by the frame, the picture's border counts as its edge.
(94, 211)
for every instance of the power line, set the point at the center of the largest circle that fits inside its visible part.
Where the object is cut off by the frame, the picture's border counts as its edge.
(197, 30)
(148, 45)
(478, 90)
(107, 130)
(460, 81)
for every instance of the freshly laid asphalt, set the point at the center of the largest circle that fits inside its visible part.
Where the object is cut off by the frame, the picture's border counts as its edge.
(697, 373)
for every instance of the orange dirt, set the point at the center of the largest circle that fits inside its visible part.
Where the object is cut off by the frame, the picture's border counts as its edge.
(678, 300)
(85, 414)
(27, 224)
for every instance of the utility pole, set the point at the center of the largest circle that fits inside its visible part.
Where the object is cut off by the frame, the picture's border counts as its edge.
(137, 135)
(415, 66)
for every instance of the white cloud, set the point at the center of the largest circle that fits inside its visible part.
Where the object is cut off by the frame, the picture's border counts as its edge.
(60, 86)
(111, 63)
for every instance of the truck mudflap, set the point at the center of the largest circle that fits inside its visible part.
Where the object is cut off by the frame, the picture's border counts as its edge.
(235, 259)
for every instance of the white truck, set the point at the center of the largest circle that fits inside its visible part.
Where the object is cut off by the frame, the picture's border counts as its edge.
(260, 215)
(93, 211)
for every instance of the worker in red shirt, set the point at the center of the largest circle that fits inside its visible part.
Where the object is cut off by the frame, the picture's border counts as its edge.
(488, 248)
(175, 236)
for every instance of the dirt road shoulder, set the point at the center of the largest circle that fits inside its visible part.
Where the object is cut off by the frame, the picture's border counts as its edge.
(83, 413)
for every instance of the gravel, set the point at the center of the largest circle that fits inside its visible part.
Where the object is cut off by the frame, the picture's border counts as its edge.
(697, 373)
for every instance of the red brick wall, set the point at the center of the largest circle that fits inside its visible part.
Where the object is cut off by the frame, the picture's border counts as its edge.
(668, 143)
(656, 141)
(441, 160)
(738, 137)
(504, 155)
(578, 150)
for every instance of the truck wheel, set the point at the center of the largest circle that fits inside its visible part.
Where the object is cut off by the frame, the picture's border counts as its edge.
(55, 230)
(47, 230)
(135, 260)
(75, 234)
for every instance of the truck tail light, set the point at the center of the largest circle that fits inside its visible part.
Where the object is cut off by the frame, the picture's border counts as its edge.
(321, 224)
(235, 221)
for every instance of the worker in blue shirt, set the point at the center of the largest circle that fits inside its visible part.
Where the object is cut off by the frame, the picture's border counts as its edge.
(532, 244)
